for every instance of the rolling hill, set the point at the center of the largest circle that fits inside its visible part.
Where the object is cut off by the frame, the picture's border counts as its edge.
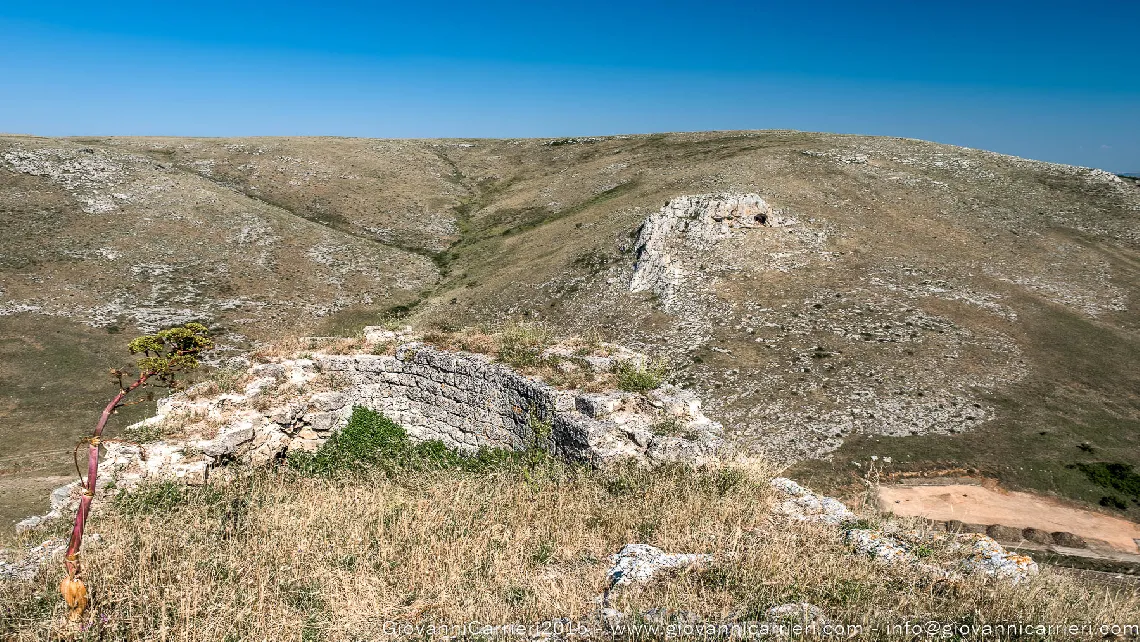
(948, 309)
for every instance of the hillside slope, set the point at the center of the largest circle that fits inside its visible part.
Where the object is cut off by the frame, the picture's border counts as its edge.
(945, 307)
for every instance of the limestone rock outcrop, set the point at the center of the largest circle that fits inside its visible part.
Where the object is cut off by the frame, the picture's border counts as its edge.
(468, 401)
(636, 563)
(691, 224)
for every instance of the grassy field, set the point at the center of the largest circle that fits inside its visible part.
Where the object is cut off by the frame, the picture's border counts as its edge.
(383, 531)
(1078, 407)
(53, 385)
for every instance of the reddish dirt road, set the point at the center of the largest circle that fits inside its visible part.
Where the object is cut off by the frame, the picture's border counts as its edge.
(981, 505)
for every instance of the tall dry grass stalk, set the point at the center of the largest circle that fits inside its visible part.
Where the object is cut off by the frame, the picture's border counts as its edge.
(285, 557)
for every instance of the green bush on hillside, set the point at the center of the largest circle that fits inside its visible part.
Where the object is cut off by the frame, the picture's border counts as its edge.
(637, 377)
(372, 441)
(1115, 476)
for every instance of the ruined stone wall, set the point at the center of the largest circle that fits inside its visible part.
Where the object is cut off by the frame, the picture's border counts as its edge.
(467, 401)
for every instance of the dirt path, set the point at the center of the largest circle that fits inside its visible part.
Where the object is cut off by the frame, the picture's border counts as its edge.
(981, 505)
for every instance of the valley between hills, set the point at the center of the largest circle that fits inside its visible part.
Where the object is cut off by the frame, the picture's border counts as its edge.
(913, 308)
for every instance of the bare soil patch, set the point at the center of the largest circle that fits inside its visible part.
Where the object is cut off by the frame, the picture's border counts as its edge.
(982, 505)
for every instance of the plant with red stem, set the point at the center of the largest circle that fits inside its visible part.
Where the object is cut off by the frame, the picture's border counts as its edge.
(166, 355)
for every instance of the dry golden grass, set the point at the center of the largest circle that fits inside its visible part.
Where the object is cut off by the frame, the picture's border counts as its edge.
(284, 557)
(292, 346)
(521, 345)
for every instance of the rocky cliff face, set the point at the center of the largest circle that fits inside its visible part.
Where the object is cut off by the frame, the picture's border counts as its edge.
(672, 241)
(692, 252)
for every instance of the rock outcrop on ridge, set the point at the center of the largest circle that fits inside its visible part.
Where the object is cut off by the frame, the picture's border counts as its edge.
(467, 401)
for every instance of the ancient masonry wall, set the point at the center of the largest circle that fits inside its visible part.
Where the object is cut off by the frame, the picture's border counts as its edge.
(467, 401)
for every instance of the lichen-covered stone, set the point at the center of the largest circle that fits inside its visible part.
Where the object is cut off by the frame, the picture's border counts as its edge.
(636, 563)
(803, 505)
(990, 558)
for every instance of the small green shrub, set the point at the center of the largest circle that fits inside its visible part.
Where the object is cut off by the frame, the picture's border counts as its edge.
(543, 554)
(372, 441)
(668, 426)
(863, 524)
(144, 433)
(638, 377)
(521, 344)
(227, 379)
(1112, 501)
(1115, 476)
(542, 430)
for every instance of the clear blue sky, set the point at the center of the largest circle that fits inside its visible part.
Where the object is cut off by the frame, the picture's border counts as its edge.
(1057, 81)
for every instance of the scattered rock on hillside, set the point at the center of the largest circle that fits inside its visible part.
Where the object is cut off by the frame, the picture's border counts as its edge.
(636, 563)
(987, 557)
(27, 562)
(974, 553)
(802, 613)
(804, 505)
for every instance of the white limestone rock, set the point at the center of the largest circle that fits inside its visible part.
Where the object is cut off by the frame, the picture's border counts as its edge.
(30, 561)
(802, 613)
(803, 505)
(689, 223)
(230, 440)
(636, 563)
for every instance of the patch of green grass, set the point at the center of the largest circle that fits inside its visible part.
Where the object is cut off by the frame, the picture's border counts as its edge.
(158, 498)
(372, 441)
(1117, 476)
(543, 554)
(303, 595)
(638, 377)
(593, 260)
(144, 433)
(521, 344)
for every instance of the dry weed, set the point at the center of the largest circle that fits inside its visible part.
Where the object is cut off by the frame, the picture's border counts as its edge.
(280, 556)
